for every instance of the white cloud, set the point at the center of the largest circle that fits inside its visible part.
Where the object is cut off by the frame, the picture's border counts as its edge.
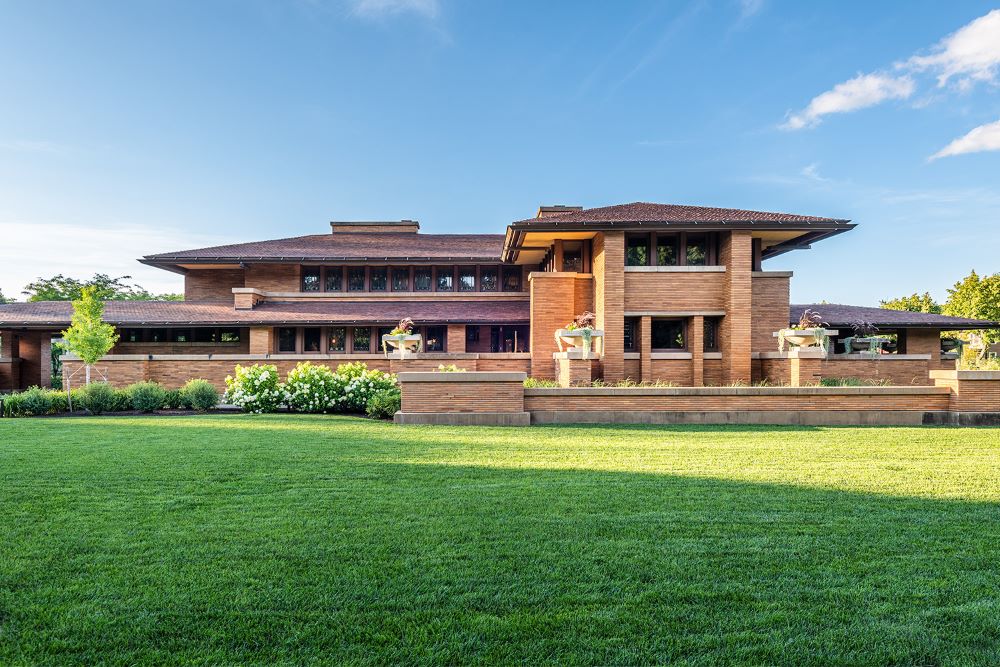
(381, 8)
(30, 250)
(812, 173)
(971, 53)
(982, 138)
(864, 90)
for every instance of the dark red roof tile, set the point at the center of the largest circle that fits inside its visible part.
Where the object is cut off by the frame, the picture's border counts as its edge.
(840, 315)
(646, 212)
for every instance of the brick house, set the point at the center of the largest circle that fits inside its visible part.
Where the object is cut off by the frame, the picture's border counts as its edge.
(679, 291)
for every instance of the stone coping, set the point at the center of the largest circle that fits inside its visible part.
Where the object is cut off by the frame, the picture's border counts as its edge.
(466, 376)
(711, 355)
(575, 354)
(676, 356)
(879, 357)
(771, 274)
(965, 375)
(736, 391)
(558, 274)
(675, 269)
(434, 356)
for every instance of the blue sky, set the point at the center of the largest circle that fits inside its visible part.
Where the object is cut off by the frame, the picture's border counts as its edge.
(128, 128)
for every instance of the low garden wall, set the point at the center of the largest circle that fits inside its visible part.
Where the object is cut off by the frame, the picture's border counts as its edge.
(893, 369)
(462, 398)
(173, 370)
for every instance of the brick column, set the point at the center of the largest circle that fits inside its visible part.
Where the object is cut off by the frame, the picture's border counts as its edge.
(737, 255)
(456, 338)
(697, 345)
(45, 360)
(6, 344)
(552, 307)
(805, 366)
(609, 300)
(261, 340)
(924, 341)
(646, 348)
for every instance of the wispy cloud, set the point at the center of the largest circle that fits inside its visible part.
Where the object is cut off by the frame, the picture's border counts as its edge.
(383, 8)
(864, 90)
(811, 172)
(979, 139)
(749, 8)
(969, 55)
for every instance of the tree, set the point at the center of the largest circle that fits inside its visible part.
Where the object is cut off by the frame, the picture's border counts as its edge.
(977, 298)
(915, 303)
(63, 288)
(89, 336)
(4, 299)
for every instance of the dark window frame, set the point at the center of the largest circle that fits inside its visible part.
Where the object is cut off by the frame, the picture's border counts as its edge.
(680, 322)
(712, 240)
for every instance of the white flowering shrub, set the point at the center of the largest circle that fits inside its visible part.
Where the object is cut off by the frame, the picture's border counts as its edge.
(255, 389)
(356, 384)
(310, 388)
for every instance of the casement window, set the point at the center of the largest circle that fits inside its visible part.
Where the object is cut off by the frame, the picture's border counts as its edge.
(445, 279)
(472, 334)
(637, 250)
(434, 338)
(158, 335)
(572, 256)
(361, 339)
(422, 279)
(334, 279)
(668, 335)
(511, 278)
(467, 279)
(696, 250)
(377, 278)
(336, 339)
(672, 249)
(488, 280)
(180, 336)
(667, 249)
(310, 278)
(356, 279)
(312, 340)
(400, 279)
(629, 337)
(287, 338)
(711, 334)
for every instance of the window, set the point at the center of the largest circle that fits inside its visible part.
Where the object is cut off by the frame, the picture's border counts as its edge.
(356, 279)
(362, 339)
(400, 279)
(697, 250)
(471, 334)
(158, 336)
(286, 339)
(310, 278)
(202, 335)
(711, 334)
(229, 335)
(381, 331)
(445, 279)
(467, 279)
(666, 250)
(512, 279)
(180, 335)
(637, 250)
(334, 279)
(434, 339)
(488, 279)
(131, 335)
(311, 339)
(628, 335)
(572, 256)
(377, 278)
(336, 339)
(668, 335)
(422, 279)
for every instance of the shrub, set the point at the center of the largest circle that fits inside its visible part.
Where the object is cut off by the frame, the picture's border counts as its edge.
(199, 394)
(255, 388)
(310, 388)
(175, 400)
(29, 403)
(383, 404)
(356, 384)
(532, 383)
(147, 396)
(450, 368)
(101, 397)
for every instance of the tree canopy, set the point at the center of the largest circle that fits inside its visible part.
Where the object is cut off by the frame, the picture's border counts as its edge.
(4, 299)
(915, 303)
(977, 298)
(106, 288)
(89, 336)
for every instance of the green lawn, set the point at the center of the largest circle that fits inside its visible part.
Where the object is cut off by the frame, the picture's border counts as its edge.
(297, 539)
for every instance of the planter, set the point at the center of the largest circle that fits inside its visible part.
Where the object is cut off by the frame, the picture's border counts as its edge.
(402, 342)
(951, 344)
(576, 338)
(804, 338)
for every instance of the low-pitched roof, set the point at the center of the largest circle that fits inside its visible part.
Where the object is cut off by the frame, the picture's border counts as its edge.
(56, 314)
(345, 246)
(638, 212)
(841, 315)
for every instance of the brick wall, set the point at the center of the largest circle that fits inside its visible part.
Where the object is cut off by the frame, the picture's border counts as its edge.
(924, 341)
(609, 300)
(211, 284)
(456, 338)
(736, 254)
(272, 277)
(261, 340)
(242, 347)
(677, 371)
(770, 311)
(674, 291)
(971, 391)
(553, 303)
(713, 372)
(461, 393)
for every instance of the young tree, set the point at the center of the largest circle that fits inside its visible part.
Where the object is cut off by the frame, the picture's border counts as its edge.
(915, 303)
(978, 298)
(89, 336)
(63, 288)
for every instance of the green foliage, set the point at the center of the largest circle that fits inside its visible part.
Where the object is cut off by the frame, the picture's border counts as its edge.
(89, 337)
(915, 303)
(352, 370)
(978, 298)
(356, 384)
(854, 382)
(449, 368)
(536, 383)
(4, 299)
(255, 388)
(175, 400)
(32, 402)
(147, 396)
(200, 395)
(311, 388)
(106, 288)
(383, 404)
(101, 397)
(978, 363)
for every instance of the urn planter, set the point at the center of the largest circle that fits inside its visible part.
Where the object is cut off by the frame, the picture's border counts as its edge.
(402, 342)
(577, 338)
(818, 337)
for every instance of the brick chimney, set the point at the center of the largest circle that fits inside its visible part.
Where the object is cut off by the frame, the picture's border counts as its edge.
(558, 209)
(383, 227)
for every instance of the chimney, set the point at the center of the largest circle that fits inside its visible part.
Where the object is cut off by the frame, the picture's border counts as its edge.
(382, 227)
(558, 209)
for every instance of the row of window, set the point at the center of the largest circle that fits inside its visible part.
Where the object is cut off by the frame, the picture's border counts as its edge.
(194, 335)
(670, 335)
(334, 340)
(676, 249)
(411, 278)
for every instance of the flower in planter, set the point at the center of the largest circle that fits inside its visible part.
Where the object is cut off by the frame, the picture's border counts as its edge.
(585, 321)
(404, 328)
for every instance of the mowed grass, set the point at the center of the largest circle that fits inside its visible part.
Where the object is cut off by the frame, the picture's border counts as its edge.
(299, 539)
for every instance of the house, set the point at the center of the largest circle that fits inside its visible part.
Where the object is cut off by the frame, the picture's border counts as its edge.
(680, 292)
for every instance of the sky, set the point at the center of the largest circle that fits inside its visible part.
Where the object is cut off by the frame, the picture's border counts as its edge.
(130, 128)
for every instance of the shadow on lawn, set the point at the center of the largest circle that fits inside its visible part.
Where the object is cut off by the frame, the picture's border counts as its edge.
(313, 557)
